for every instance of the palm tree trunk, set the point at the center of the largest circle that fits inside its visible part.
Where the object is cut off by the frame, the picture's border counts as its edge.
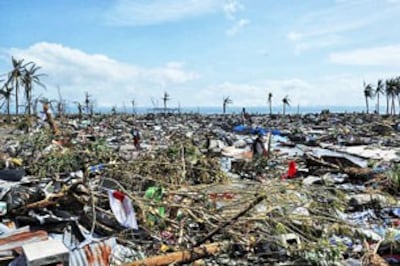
(393, 109)
(29, 98)
(377, 107)
(366, 103)
(223, 108)
(16, 97)
(284, 109)
(8, 109)
(398, 99)
(387, 104)
(270, 109)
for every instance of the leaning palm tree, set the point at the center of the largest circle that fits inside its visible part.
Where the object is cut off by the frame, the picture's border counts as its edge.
(29, 79)
(379, 90)
(270, 102)
(368, 94)
(225, 102)
(15, 77)
(285, 102)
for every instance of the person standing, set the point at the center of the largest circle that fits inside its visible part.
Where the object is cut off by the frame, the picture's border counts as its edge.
(136, 138)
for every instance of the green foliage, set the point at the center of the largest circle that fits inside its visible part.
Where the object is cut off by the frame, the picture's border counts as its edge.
(48, 159)
(394, 178)
(324, 254)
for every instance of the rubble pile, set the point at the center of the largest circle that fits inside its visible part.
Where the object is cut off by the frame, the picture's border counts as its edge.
(324, 190)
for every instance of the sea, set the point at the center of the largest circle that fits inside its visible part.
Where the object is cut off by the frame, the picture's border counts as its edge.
(235, 110)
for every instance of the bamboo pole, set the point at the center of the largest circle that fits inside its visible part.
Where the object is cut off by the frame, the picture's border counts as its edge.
(182, 256)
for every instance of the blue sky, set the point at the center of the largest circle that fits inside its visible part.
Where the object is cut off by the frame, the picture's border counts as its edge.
(316, 51)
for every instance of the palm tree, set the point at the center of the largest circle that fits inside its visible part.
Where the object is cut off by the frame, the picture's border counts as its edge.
(15, 78)
(79, 106)
(87, 102)
(270, 102)
(165, 99)
(368, 93)
(6, 94)
(133, 106)
(285, 102)
(379, 90)
(30, 78)
(397, 89)
(225, 102)
(390, 92)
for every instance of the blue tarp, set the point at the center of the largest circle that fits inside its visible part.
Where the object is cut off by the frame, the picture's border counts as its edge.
(255, 131)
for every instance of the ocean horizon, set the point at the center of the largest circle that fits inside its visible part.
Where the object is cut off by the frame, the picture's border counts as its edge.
(235, 109)
(209, 110)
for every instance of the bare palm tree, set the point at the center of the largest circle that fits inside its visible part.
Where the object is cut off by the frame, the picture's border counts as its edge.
(285, 102)
(378, 91)
(79, 106)
(15, 78)
(87, 102)
(270, 102)
(29, 79)
(368, 94)
(133, 106)
(225, 102)
(61, 104)
(165, 99)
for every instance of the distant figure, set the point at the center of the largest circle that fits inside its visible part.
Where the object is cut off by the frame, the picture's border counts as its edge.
(258, 147)
(136, 138)
(245, 117)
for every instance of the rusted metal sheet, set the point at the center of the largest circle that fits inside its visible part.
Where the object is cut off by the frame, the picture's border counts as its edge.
(95, 254)
(16, 241)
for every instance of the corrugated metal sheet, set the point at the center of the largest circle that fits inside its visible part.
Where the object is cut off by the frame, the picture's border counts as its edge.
(94, 254)
(21, 238)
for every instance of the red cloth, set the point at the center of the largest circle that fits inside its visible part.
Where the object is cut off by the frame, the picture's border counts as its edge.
(119, 195)
(292, 169)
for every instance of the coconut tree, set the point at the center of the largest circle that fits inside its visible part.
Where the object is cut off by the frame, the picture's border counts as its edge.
(285, 102)
(368, 94)
(378, 91)
(15, 77)
(133, 106)
(390, 91)
(79, 106)
(397, 89)
(165, 99)
(270, 102)
(225, 102)
(6, 94)
(29, 79)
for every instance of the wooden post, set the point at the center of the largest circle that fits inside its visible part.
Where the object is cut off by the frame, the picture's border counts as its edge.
(182, 256)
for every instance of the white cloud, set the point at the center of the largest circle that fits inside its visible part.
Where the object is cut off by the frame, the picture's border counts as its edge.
(341, 21)
(317, 43)
(239, 24)
(377, 56)
(338, 90)
(108, 80)
(152, 12)
(231, 7)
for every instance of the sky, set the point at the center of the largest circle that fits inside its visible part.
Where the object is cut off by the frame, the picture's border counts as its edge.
(318, 52)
